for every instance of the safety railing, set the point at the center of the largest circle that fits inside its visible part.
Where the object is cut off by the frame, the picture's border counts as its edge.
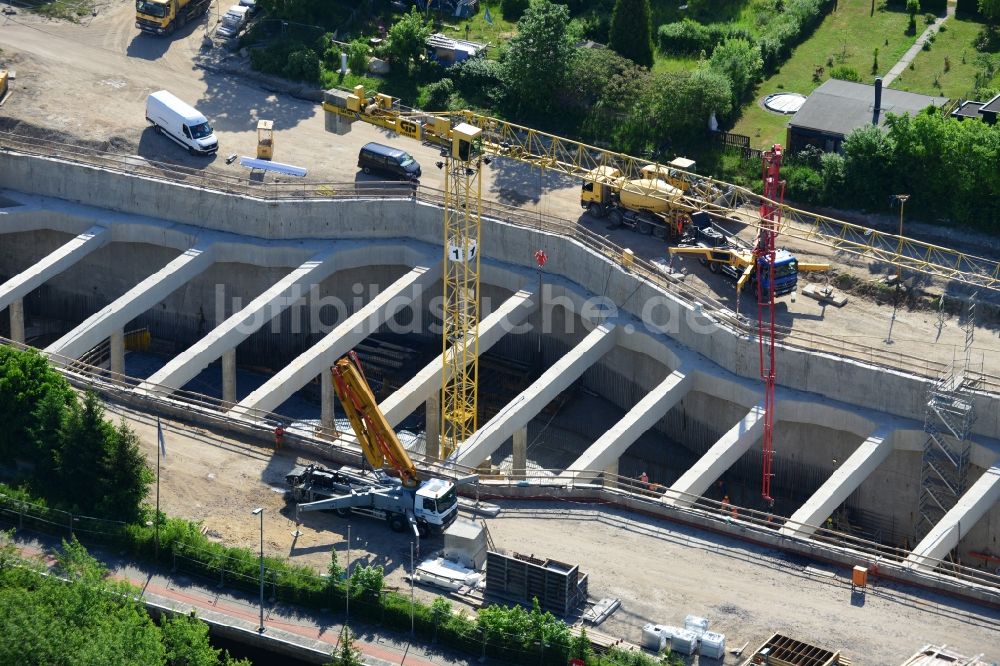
(691, 295)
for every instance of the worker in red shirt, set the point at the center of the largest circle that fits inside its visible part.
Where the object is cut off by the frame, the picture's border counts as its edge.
(279, 436)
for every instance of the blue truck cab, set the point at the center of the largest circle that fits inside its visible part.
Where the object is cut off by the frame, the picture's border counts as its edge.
(786, 272)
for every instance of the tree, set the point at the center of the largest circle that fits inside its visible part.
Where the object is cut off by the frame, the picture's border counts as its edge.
(185, 638)
(357, 57)
(741, 62)
(631, 32)
(990, 9)
(675, 107)
(537, 59)
(83, 451)
(513, 10)
(89, 621)
(125, 476)
(367, 580)
(867, 161)
(346, 654)
(407, 37)
(26, 382)
(580, 648)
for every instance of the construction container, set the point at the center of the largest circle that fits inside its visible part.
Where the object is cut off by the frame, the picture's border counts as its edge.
(713, 645)
(652, 638)
(696, 625)
(667, 631)
(859, 577)
(684, 642)
(560, 588)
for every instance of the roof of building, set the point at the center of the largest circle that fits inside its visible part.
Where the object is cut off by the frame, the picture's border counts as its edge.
(992, 105)
(838, 107)
(968, 109)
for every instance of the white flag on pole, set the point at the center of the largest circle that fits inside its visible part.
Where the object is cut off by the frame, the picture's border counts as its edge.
(159, 437)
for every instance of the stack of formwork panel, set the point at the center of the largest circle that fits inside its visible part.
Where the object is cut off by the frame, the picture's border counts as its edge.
(559, 587)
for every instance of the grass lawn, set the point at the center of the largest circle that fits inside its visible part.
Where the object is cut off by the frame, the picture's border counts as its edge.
(927, 74)
(847, 36)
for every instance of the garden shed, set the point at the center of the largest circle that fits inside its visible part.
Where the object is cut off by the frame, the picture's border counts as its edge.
(837, 108)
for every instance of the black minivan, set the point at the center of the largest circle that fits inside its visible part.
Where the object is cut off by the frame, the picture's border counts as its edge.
(374, 157)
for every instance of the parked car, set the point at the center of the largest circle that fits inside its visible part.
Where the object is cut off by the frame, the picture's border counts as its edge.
(233, 21)
(392, 162)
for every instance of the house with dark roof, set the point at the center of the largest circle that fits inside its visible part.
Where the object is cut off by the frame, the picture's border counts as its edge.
(985, 111)
(837, 108)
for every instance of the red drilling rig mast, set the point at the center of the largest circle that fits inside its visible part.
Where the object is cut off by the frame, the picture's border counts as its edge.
(770, 222)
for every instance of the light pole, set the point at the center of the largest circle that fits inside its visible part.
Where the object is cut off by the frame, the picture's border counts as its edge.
(347, 621)
(411, 589)
(902, 199)
(260, 511)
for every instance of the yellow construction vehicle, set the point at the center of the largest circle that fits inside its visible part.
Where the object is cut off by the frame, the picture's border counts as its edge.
(162, 17)
(400, 497)
(647, 204)
(265, 139)
(729, 255)
(4, 85)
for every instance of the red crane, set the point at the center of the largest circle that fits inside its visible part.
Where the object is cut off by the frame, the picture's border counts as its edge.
(770, 221)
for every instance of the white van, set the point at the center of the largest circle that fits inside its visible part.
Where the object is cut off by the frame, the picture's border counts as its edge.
(181, 122)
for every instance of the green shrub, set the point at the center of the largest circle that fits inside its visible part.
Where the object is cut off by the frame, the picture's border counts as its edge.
(435, 96)
(302, 65)
(357, 57)
(803, 184)
(845, 73)
(929, 18)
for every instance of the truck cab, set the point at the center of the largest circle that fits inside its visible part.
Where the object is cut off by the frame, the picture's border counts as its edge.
(786, 272)
(162, 17)
(436, 504)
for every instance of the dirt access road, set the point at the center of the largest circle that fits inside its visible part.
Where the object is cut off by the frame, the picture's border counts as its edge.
(88, 82)
(659, 570)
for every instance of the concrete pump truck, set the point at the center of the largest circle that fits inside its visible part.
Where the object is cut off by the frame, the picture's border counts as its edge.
(401, 498)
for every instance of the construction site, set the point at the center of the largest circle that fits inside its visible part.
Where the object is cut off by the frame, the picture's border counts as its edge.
(637, 384)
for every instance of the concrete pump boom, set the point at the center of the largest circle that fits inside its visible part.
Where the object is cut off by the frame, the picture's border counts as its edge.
(377, 438)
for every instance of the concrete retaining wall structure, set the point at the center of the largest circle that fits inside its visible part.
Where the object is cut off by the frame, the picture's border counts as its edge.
(827, 375)
(278, 235)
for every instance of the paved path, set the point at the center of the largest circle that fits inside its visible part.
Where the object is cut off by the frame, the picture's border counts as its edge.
(316, 631)
(908, 57)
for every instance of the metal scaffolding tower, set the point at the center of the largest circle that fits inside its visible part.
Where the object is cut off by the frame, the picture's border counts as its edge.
(947, 423)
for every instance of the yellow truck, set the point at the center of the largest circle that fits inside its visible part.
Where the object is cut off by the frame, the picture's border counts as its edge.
(648, 205)
(162, 17)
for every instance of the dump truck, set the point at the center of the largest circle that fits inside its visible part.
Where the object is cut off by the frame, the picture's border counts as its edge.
(163, 17)
(392, 490)
(733, 257)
